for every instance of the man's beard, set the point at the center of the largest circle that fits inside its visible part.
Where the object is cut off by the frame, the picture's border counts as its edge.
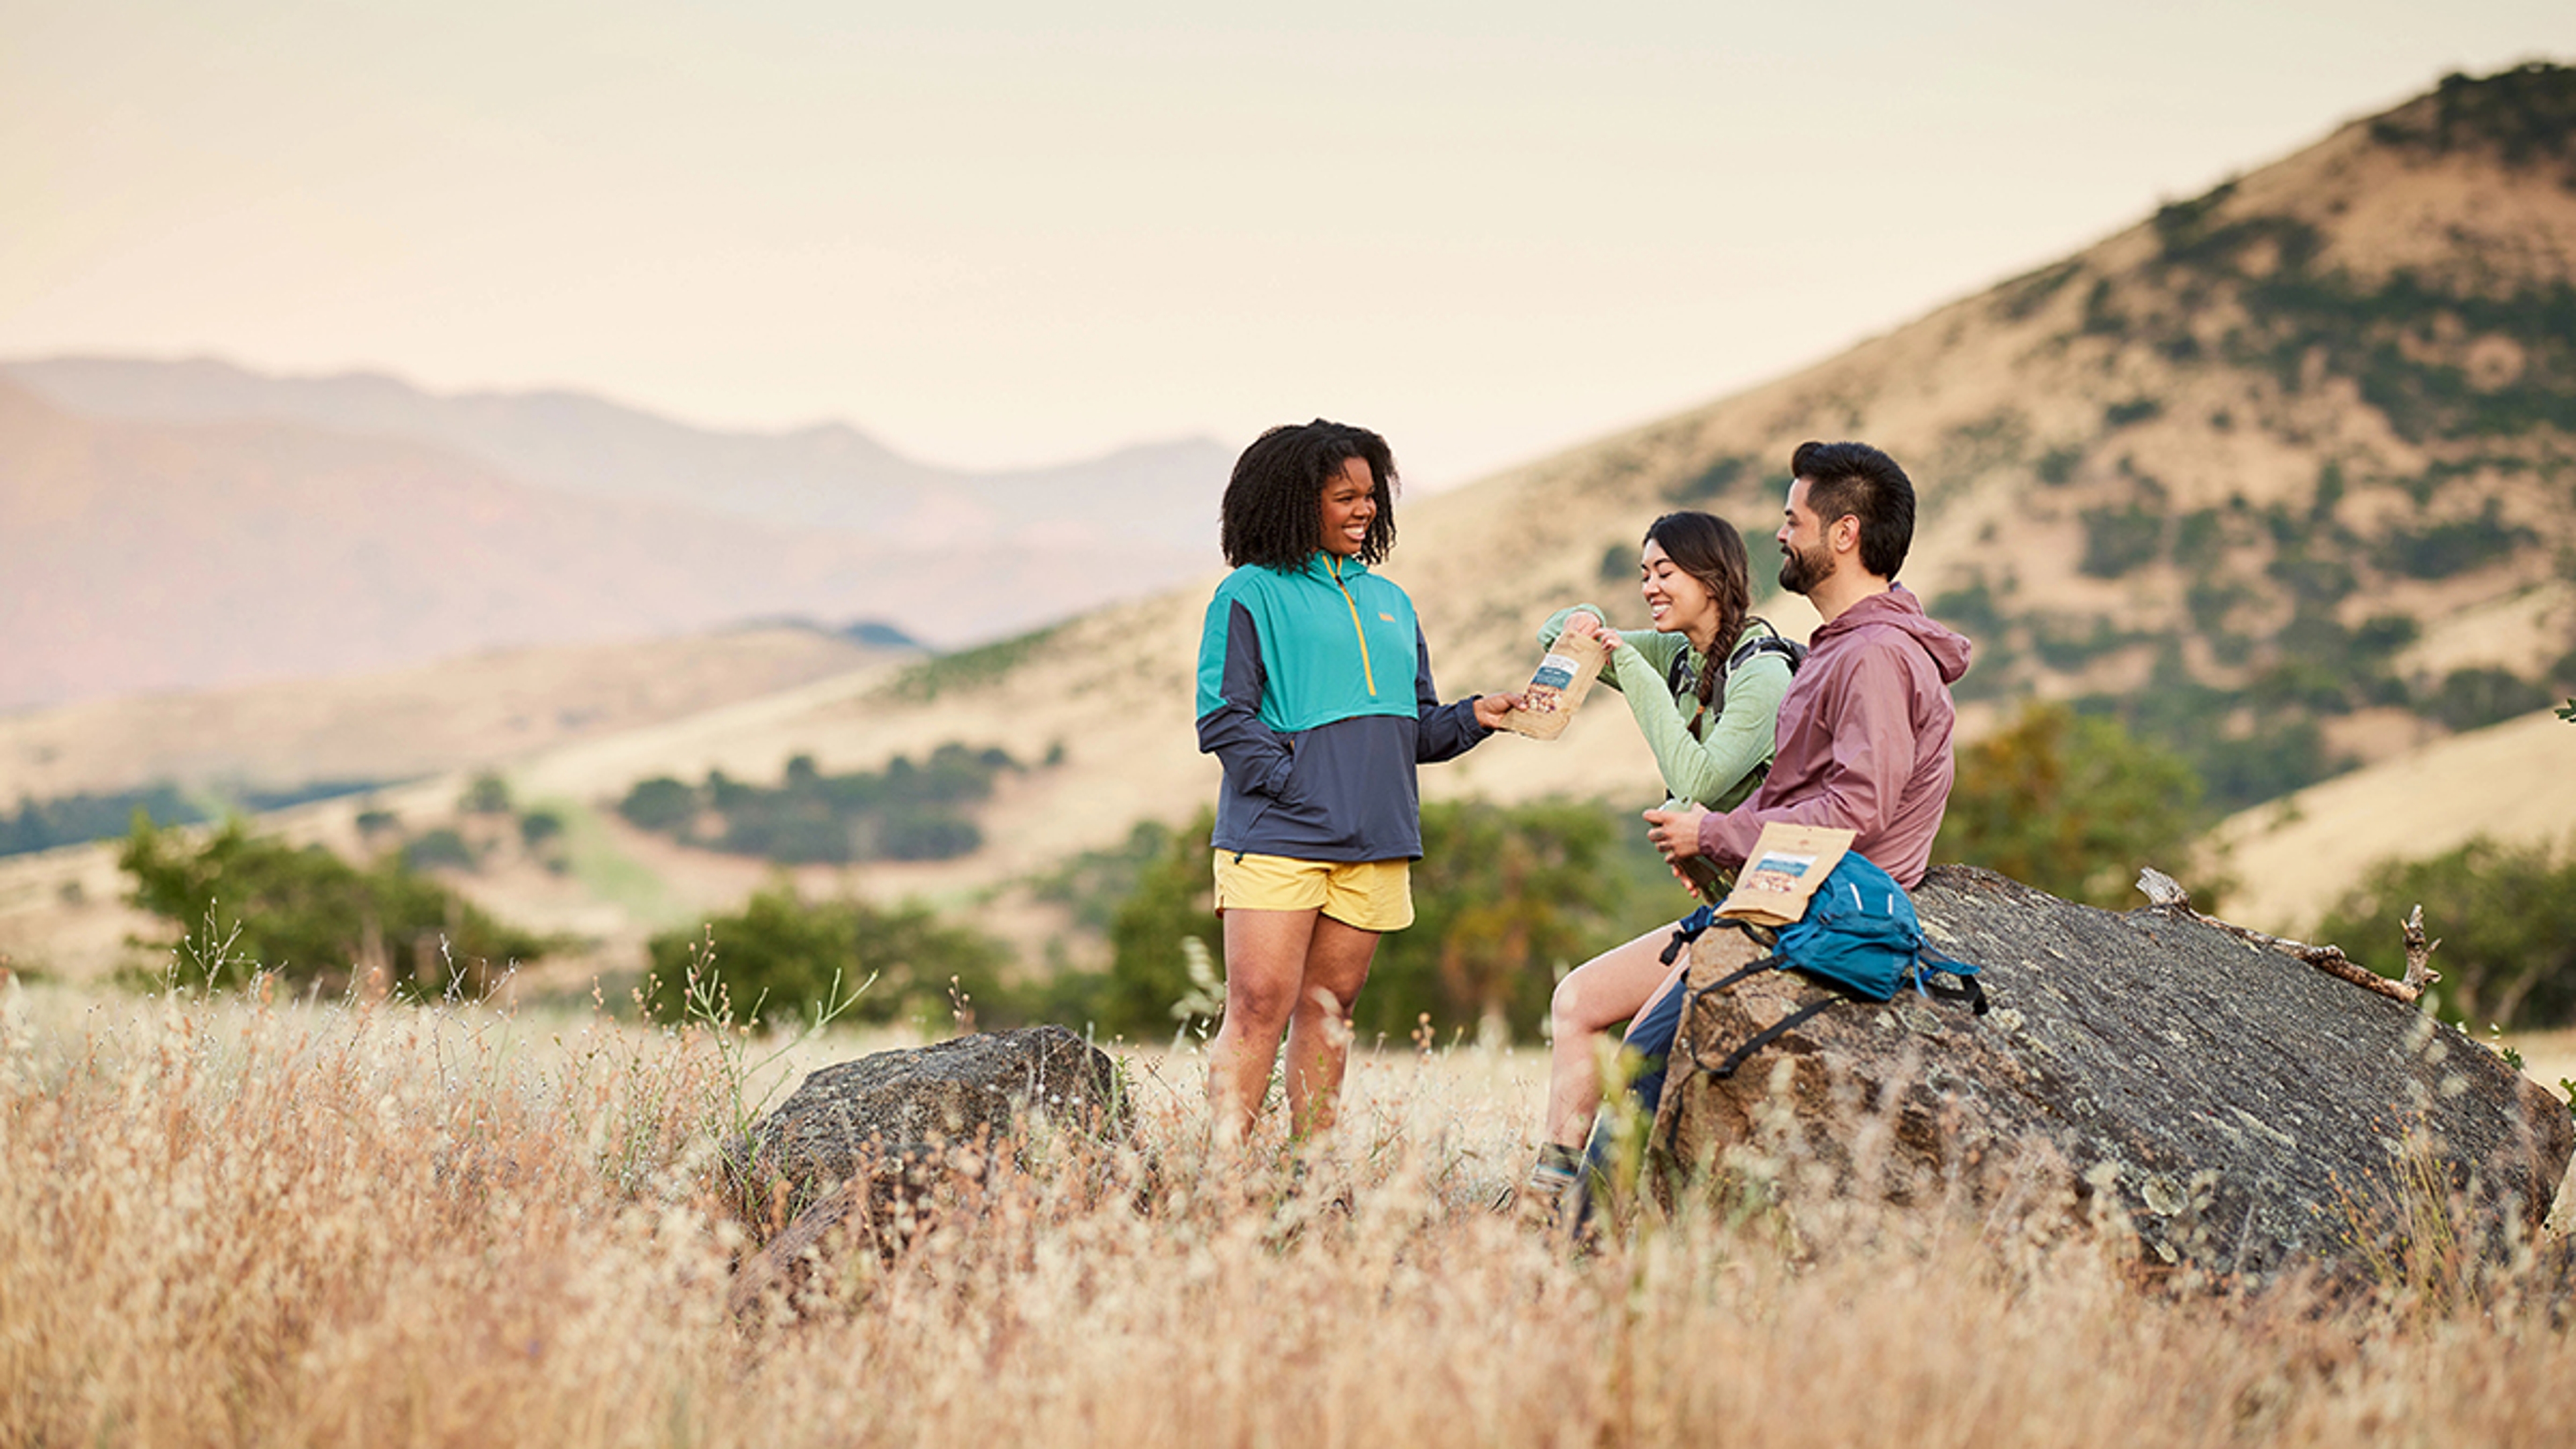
(1801, 572)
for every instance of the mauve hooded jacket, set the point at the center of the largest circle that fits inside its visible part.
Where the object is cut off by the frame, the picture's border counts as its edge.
(1864, 739)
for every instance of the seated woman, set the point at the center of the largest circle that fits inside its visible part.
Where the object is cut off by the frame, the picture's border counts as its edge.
(1705, 686)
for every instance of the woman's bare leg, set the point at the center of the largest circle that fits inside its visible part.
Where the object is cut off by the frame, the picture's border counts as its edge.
(1610, 988)
(1291, 973)
(1265, 964)
(1319, 1029)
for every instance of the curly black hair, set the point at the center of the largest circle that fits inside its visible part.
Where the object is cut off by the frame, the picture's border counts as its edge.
(1273, 511)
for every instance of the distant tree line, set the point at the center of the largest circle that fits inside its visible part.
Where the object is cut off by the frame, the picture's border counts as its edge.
(902, 812)
(76, 819)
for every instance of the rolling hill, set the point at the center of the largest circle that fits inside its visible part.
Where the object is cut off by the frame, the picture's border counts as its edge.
(2281, 476)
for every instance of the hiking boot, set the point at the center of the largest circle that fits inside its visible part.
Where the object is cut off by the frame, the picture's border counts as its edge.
(1540, 1200)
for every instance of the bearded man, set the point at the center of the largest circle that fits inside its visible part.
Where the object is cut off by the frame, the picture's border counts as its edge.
(1864, 732)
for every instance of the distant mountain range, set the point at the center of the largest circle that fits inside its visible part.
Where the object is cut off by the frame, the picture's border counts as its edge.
(178, 525)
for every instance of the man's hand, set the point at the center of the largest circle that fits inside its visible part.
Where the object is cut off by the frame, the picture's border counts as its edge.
(1490, 708)
(1675, 832)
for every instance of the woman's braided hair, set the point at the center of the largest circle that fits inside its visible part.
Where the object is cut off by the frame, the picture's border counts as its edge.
(1273, 511)
(1709, 549)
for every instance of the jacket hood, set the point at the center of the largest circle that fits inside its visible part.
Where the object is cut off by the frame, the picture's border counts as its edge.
(1899, 609)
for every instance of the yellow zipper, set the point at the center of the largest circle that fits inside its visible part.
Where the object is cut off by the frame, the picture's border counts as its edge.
(1366, 672)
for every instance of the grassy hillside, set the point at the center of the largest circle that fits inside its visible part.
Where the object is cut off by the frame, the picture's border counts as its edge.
(2281, 476)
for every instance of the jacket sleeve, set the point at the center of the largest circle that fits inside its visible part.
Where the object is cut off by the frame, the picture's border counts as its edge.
(1873, 753)
(1716, 770)
(1646, 641)
(1448, 730)
(1231, 681)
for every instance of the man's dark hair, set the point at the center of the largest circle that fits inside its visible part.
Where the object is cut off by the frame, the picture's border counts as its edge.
(1273, 509)
(1859, 480)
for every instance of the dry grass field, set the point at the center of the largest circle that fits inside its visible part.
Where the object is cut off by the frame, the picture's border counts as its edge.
(241, 1222)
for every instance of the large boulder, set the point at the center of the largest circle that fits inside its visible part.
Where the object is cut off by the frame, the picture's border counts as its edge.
(974, 1093)
(873, 1152)
(2243, 1110)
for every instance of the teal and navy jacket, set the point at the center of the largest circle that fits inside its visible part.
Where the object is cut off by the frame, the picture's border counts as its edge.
(1315, 692)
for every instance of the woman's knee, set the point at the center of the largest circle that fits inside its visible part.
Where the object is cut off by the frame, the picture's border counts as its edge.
(1259, 1005)
(1577, 1007)
(1324, 1002)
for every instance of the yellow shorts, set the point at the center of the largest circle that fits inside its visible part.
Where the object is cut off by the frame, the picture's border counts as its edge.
(1374, 895)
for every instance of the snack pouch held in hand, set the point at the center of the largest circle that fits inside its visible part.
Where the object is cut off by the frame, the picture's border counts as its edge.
(1786, 865)
(1557, 690)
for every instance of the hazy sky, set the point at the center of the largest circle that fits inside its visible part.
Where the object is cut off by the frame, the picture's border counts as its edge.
(989, 234)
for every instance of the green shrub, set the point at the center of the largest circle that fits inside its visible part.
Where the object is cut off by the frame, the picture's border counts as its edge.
(486, 794)
(2120, 540)
(781, 958)
(2506, 917)
(970, 669)
(538, 828)
(662, 805)
(2474, 698)
(2072, 805)
(245, 902)
(1709, 485)
(442, 848)
(2056, 467)
(906, 811)
(2134, 410)
(2445, 550)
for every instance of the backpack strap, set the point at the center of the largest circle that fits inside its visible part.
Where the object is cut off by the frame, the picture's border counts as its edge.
(1770, 641)
(1932, 963)
(1765, 1037)
(1687, 930)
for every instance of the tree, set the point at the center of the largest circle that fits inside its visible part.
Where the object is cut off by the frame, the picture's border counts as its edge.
(2072, 804)
(781, 957)
(313, 918)
(1503, 896)
(1174, 898)
(486, 794)
(2506, 917)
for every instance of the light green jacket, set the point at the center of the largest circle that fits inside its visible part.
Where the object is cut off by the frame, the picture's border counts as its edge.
(1720, 765)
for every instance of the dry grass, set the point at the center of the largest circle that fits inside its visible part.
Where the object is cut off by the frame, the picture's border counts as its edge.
(232, 1223)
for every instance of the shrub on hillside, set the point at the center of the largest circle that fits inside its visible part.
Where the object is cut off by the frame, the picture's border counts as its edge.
(2469, 699)
(782, 958)
(2119, 540)
(906, 811)
(2506, 917)
(246, 902)
(2073, 805)
(440, 849)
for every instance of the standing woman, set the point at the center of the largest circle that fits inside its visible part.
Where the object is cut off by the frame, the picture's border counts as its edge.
(1705, 686)
(1314, 690)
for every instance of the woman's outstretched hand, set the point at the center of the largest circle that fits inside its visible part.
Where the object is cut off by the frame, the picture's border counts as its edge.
(1675, 833)
(1583, 623)
(1490, 708)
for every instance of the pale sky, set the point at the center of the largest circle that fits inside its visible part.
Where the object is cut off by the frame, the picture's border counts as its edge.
(990, 234)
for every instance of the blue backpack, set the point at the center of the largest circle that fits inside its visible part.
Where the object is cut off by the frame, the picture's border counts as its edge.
(1860, 937)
